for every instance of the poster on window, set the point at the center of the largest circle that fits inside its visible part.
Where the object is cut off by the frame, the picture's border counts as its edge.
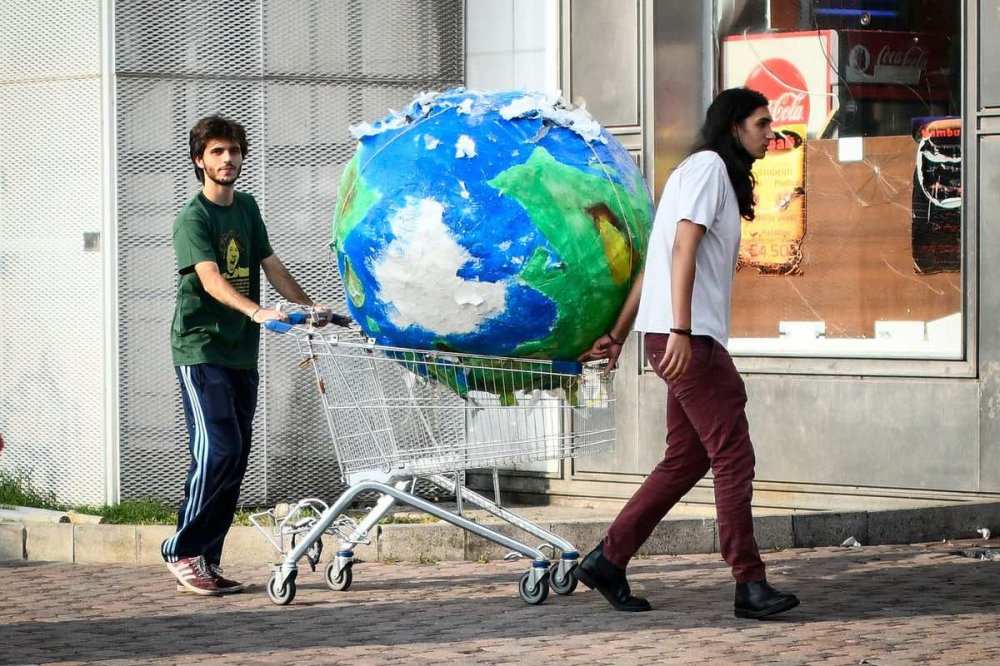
(772, 242)
(794, 72)
(936, 217)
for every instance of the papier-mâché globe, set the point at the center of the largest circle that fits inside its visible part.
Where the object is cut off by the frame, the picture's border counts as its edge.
(504, 224)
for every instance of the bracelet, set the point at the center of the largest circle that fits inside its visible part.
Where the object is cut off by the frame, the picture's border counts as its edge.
(681, 331)
(254, 313)
(617, 342)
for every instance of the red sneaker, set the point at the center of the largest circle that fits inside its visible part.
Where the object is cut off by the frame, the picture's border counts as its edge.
(193, 576)
(225, 585)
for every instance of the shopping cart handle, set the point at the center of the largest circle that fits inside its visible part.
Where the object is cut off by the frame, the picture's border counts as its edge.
(294, 318)
(279, 326)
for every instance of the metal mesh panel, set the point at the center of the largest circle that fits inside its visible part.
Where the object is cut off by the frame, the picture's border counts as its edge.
(52, 374)
(177, 38)
(296, 73)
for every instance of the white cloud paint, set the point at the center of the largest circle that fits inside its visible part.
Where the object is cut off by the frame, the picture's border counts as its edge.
(418, 275)
(465, 146)
(549, 106)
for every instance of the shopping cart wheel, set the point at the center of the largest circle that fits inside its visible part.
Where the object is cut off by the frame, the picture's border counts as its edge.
(565, 585)
(533, 595)
(282, 596)
(338, 582)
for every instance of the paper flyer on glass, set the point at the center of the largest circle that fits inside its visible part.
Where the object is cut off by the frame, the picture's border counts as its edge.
(796, 72)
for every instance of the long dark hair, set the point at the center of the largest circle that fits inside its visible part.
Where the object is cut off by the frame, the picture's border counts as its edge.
(731, 107)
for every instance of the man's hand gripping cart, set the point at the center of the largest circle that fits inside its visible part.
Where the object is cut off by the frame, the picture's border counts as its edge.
(397, 415)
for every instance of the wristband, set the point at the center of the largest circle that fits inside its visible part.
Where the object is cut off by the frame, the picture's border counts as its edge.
(254, 313)
(681, 331)
(617, 342)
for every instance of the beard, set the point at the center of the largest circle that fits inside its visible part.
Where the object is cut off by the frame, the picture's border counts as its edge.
(218, 179)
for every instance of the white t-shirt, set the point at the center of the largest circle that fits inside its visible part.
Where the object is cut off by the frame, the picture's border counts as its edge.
(699, 190)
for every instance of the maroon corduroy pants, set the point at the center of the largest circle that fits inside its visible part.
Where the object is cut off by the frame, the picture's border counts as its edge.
(706, 429)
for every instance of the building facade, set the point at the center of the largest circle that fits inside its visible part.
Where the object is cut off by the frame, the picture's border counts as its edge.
(97, 98)
(863, 320)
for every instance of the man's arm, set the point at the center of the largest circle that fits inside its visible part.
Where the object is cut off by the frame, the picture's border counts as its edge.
(219, 288)
(623, 325)
(289, 288)
(610, 344)
(283, 282)
(682, 269)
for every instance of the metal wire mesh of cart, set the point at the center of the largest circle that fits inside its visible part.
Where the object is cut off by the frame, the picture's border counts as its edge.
(397, 412)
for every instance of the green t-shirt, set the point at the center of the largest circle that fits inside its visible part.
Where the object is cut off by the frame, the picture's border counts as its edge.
(234, 237)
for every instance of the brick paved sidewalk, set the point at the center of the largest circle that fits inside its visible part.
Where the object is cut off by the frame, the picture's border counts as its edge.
(877, 605)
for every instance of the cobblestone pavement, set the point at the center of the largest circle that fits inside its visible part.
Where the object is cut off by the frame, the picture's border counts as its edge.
(876, 605)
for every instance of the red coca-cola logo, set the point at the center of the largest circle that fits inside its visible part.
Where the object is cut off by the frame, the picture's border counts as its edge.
(783, 85)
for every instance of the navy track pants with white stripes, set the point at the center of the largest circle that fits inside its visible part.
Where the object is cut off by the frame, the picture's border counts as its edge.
(219, 404)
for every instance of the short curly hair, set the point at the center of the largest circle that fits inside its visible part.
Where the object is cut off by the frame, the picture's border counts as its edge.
(211, 128)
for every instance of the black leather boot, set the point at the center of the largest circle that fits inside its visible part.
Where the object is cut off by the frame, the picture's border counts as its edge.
(599, 574)
(757, 600)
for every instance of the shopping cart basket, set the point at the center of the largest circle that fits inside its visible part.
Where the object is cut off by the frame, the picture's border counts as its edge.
(398, 415)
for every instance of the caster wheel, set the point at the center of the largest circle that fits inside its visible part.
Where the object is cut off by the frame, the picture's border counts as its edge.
(283, 596)
(565, 585)
(338, 582)
(533, 595)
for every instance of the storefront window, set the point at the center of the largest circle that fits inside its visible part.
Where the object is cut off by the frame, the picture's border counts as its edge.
(856, 246)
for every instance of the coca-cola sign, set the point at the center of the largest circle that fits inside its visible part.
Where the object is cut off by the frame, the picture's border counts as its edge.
(785, 88)
(861, 63)
(876, 62)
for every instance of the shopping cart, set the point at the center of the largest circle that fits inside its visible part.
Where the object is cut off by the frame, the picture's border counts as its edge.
(398, 415)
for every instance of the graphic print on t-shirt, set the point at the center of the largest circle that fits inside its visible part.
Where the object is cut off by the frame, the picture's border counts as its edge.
(236, 269)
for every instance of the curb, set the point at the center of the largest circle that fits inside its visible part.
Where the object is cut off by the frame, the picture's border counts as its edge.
(429, 542)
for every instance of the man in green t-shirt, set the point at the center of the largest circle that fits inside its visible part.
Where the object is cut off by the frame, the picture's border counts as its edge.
(221, 246)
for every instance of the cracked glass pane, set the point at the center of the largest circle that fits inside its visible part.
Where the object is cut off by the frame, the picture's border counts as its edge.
(855, 250)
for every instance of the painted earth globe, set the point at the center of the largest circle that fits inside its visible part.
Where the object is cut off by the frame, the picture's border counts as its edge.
(501, 224)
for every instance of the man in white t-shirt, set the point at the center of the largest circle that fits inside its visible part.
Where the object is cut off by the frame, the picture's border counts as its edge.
(682, 304)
